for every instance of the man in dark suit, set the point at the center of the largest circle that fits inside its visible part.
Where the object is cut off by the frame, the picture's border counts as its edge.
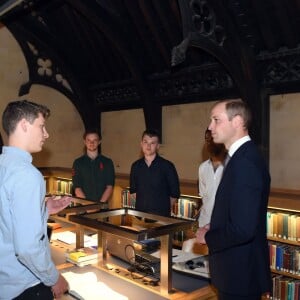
(236, 235)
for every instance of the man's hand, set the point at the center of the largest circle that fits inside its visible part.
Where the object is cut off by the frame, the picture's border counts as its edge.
(60, 287)
(200, 234)
(57, 203)
(79, 193)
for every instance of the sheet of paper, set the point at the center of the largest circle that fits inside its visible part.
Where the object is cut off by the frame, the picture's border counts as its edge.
(69, 238)
(87, 287)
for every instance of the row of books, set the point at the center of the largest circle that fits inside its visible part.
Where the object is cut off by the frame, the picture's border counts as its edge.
(179, 236)
(127, 201)
(284, 258)
(283, 225)
(185, 208)
(63, 187)
(285, 288)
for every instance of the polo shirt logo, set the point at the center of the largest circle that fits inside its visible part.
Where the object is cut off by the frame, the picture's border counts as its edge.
(101, 166)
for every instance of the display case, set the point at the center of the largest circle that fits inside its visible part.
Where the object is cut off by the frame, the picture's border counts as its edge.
(77, 206)
(119, 222)
(186, 207)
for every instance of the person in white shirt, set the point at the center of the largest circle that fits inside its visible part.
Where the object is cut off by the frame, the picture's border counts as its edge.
(210, 174)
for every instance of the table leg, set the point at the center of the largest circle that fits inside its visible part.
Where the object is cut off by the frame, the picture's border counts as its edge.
(104, 247)
(79, 237)
(166, 264)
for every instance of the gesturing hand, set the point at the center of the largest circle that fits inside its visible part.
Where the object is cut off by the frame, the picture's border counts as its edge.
(57, 203)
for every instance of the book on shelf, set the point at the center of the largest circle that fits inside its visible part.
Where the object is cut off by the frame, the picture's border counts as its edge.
(285, 258)
(127, 201)
(63, 186)
(283, 226)
(285, 288)
(185, 208)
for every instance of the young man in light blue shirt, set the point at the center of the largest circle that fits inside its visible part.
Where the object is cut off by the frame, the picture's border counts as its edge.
(27, 270)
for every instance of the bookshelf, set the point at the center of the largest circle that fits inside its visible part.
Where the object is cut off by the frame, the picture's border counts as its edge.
(186, 207)
(58, 180)
(281, 201)
(62, 186)
(283, 233)
(126, 200)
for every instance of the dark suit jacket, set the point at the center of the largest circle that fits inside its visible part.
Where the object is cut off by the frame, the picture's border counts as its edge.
(239, 256)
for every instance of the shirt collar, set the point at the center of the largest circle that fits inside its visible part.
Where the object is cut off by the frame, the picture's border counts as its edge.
(237, 144)
(17, 151)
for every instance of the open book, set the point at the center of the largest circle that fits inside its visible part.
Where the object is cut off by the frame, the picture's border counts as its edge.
(87, 287)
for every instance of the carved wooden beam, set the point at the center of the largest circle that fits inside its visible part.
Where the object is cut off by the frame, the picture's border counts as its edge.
(207, 25)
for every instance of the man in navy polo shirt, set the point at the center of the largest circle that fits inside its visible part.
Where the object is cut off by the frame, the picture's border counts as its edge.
(154, 180)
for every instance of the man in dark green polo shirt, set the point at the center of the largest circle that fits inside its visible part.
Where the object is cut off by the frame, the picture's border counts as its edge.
(93, 174)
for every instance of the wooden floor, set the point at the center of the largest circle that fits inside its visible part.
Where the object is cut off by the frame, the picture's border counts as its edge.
(205, 293)
(208, 293)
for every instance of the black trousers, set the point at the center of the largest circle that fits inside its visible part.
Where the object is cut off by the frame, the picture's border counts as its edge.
(37, 292)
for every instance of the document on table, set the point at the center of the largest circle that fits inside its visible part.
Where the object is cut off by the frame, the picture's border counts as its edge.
(69, 238)
(87, 287)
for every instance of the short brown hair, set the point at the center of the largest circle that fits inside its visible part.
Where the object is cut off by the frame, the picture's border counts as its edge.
(17, 110)
(92, 131)
(151, 133)
(237, 107)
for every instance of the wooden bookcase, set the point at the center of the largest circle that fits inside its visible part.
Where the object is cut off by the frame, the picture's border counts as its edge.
(186, 207)
(58, 180)
(283, 232)
(281, 201)
(54, 176)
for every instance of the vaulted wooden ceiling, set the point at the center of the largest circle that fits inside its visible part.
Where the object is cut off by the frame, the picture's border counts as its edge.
(119, 54)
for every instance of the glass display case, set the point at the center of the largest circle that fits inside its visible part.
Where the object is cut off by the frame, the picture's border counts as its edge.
(120, 223)
(77, 206)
